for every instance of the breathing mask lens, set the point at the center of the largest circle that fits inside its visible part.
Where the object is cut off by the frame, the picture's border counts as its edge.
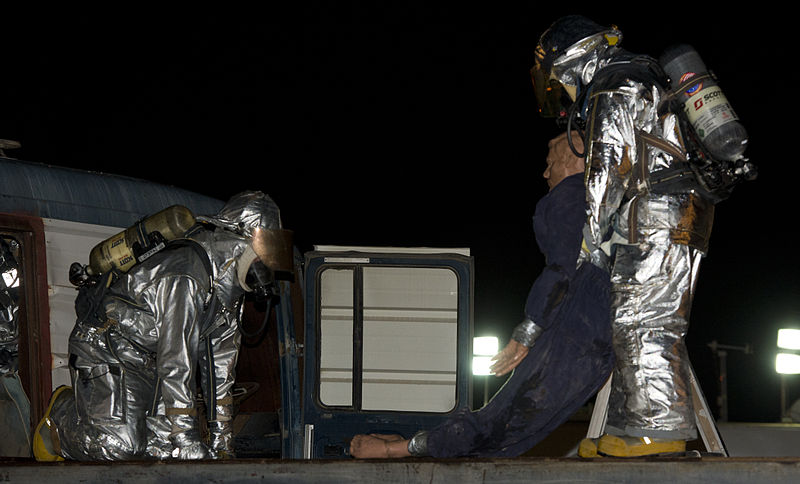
(549, 94)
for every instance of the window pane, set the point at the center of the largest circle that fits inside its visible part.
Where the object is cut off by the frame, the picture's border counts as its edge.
(9, 303)
(410, 331)
(336, 337)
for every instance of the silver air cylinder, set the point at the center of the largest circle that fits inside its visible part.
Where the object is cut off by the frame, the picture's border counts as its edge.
(704, 103)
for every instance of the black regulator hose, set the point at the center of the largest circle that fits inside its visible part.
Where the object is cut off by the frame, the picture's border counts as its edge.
(261, 331)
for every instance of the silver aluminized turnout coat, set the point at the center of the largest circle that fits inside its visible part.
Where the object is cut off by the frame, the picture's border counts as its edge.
(175, 314)
(652, 243)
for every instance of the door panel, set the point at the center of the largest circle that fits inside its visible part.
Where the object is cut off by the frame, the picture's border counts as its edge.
(388, 342)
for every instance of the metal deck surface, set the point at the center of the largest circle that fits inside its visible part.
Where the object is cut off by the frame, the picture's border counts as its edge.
(461, 471)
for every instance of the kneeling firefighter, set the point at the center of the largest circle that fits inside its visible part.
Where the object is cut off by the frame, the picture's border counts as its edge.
(142, 334)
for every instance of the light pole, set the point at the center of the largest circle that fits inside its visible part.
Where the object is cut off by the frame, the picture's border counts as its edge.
(787, 362)
(483, 349)
(721, 351)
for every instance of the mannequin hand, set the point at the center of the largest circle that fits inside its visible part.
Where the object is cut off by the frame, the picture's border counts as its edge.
(509, 358)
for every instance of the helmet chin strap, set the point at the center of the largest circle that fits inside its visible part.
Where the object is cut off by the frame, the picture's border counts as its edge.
(243, 265)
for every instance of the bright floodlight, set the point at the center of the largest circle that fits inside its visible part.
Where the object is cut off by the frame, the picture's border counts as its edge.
(787, 363)
(484, 346)
(789, 339)
(481, 365)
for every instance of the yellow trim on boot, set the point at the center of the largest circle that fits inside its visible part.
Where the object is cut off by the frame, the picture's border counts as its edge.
(44, 447)
(637, 446)
(588, 448)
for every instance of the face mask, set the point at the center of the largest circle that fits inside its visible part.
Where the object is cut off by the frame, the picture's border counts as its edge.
(259, 280)
(254, 276)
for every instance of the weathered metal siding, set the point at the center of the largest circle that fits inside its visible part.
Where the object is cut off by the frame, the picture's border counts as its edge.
(81, 196)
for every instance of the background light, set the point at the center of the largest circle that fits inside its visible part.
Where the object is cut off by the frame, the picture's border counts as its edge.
(484, 346)
(787, 363)
(483, 349)
(481, 365)
(789, 339)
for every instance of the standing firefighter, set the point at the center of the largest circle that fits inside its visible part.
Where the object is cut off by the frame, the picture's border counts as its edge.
(652, 179)
(142, 335)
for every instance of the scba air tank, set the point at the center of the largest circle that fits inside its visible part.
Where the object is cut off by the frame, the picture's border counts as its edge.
(135, 244)
(705, 105)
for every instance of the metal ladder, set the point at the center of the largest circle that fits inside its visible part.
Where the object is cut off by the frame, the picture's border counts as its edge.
(703, 417)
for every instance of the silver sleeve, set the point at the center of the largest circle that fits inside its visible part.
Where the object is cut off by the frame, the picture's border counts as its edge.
(526, 332)
(418, 444)
(179, 312)
(220, 360)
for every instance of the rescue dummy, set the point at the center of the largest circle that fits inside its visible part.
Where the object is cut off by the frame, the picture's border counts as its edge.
(560, 353)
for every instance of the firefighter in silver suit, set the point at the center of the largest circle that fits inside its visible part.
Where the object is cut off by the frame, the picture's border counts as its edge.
(177, 313)
(650, 241)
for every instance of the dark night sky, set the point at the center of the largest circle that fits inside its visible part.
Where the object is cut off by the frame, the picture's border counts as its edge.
(408, 125)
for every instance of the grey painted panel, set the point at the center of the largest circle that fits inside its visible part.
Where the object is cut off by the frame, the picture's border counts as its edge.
(90, 197)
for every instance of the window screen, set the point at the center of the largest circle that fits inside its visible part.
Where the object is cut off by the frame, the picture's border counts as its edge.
(408, 319)
(336, 337)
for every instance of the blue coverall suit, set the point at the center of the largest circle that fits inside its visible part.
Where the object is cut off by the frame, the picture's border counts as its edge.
(571, 359)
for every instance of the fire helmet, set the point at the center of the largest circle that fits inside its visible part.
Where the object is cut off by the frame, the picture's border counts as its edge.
(566, 58)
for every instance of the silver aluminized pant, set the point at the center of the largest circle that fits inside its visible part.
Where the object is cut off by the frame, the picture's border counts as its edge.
(652, 288)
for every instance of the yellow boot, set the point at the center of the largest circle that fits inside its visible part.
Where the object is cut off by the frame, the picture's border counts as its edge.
(612, 445)
(45, 439)
(588, 448)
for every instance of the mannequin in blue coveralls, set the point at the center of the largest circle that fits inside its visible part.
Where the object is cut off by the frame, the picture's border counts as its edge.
(561, 353)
